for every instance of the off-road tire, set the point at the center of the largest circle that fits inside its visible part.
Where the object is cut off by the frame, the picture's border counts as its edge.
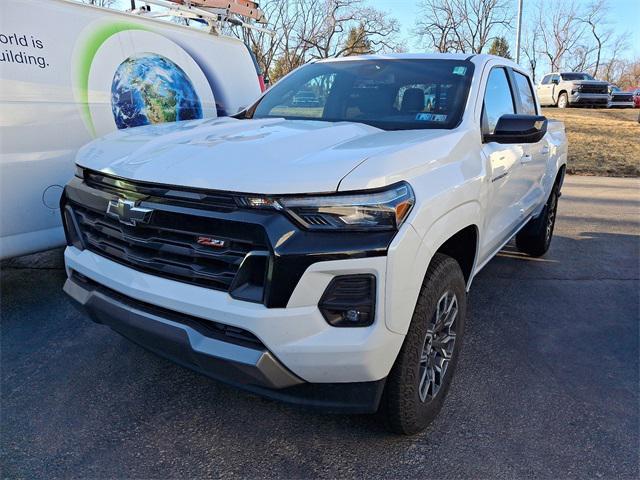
(563, 100)
(535, 237)
(405, 412)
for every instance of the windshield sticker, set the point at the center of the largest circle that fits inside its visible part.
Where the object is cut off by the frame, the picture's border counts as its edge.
(431, 117)
(459, 70)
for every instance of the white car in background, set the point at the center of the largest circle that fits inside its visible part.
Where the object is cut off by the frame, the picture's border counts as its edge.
(321, 255)
(73, 72)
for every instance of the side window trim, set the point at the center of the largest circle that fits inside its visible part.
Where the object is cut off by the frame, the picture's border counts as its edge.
(515, 93)
(483, 115)
(513, 83)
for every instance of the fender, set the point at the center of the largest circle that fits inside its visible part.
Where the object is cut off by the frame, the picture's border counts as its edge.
(557, 160)
(409, 258)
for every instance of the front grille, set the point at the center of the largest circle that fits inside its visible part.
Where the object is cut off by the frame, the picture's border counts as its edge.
(621, 98)
(184, 197)
(594, 89)
(168, 244)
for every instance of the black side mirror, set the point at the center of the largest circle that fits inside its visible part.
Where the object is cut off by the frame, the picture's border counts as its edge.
(518, 129)
(555, 81)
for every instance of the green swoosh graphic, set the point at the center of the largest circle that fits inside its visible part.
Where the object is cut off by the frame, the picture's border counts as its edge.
(86, 56)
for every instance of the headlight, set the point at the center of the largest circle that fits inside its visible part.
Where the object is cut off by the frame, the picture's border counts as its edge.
(375, 210)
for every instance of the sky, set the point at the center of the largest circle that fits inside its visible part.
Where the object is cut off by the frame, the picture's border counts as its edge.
(624, 15)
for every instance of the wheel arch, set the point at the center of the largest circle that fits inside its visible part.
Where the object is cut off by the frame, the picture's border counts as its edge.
(560, 93)
(462, 246)
(560, 176)
(455, 234)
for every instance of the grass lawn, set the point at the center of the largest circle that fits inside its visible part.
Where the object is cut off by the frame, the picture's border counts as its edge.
(601, 141)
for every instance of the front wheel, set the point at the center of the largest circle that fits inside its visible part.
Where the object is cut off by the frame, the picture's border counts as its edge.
(420, 378)
(563, 100)
(535, 237)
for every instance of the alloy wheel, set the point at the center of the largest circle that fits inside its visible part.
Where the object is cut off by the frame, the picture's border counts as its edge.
(562, 101)
(438, 347)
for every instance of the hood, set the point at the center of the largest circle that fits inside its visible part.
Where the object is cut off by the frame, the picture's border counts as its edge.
(253, 156)
(590, 82)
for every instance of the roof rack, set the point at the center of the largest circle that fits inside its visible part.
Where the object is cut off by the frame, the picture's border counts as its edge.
(214, 13)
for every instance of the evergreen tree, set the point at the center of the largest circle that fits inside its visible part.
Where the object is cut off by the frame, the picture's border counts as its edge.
(357, 42)
(500, 47)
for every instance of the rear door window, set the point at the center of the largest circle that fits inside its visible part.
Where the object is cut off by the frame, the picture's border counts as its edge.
(527, 100)
(498, 99)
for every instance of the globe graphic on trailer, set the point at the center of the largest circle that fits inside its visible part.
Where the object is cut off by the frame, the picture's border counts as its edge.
(149, 88)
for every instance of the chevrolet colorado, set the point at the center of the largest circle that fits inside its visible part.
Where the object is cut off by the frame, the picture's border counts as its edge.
(319, 252)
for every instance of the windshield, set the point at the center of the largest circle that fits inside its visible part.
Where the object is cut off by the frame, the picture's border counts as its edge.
(576, 76)
(392, 94)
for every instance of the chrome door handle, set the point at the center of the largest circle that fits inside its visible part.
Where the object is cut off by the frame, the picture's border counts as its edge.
(526, 158)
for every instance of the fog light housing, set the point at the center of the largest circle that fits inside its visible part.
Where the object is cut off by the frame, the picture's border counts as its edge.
(349, 301)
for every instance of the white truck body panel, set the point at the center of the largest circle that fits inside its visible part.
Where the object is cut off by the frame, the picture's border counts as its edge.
(217, 154)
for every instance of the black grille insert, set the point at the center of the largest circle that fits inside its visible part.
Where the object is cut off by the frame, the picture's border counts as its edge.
(594, 89)
(183, 244)
(621, 98)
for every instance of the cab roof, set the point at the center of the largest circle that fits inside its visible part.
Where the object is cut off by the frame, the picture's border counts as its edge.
(478, 59)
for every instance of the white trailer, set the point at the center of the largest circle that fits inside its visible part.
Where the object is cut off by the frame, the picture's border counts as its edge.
(70, 72)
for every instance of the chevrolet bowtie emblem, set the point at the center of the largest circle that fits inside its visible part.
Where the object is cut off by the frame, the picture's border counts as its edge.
(126, 212)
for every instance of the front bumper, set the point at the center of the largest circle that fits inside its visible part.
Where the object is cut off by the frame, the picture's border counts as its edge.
(187, 342)
(298, 335)
(589, 99)
(621, 104)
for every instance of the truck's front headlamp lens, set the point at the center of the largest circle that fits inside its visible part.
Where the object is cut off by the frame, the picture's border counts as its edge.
(376, 210)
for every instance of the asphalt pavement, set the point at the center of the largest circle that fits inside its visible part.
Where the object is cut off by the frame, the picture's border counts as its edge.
(547, 387)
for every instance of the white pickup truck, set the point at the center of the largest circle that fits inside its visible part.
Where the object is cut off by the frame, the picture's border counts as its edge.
(319, 252)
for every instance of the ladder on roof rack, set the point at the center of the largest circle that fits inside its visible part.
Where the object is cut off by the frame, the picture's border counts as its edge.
(213, 12)
(244, 8)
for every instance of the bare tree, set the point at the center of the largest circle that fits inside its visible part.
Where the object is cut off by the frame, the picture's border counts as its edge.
(630, 75)
(530, 45)
(329, 37)
(311, 29)
(560, 31)
(467, 26)
(483, 18)
(573, 38)
(595, 17)
(282, 17)
(613, 68)
(439, 26)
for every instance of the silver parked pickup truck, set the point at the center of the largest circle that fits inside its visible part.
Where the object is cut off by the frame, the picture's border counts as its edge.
(564, 90)
(619, 98)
